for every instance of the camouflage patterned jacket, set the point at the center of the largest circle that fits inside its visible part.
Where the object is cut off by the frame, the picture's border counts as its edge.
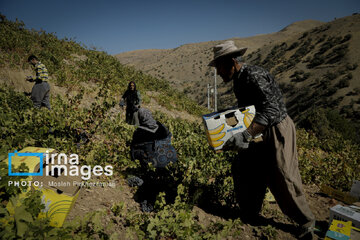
(255, 86)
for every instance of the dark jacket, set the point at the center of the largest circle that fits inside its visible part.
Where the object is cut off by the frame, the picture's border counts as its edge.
(255, 86)
(153, 147)
(133, 99)
(142, 135)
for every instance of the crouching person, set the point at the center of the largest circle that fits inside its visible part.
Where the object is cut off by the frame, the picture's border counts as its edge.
(151, 145)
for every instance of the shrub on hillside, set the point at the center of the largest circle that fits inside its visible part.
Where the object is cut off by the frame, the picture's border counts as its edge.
(346, 38)
(286, 88)
(321, 39)
(343, 83)
(351, 66)
(316, 61)
(303, 49)
(325, 122)
(300, 76)
(330, 75)
(337, 54)
(293, 46)
(305, 34)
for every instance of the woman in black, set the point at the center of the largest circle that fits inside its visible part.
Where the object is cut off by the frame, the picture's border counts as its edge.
(132, 99)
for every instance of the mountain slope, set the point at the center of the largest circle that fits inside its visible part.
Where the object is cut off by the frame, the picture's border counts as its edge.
(315, 63)
(186, 67)
(318, 68)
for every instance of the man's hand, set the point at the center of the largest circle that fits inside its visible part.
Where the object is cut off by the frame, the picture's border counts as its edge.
(237, 142)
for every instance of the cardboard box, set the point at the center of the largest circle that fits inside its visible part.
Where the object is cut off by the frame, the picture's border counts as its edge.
(339, 230)
(343, 213)
(337, 194)
(32, 162)
(220, 126)
(59, 193)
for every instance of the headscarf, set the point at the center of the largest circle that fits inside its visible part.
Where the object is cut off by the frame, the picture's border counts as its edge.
(129, 86)
(146, 120)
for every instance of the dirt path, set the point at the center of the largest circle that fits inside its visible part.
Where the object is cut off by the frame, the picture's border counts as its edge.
(97, 198)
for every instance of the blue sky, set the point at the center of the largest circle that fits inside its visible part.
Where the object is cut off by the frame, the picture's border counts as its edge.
(120, 26)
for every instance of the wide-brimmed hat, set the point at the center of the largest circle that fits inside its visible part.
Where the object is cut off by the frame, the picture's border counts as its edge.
(227, 48)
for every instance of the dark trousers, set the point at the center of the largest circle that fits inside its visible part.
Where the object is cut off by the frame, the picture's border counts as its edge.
(40, 95)
(132, 116)
(155, 182)
(272, 163)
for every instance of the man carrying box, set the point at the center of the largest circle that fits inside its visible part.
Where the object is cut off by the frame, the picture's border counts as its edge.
(272, 163)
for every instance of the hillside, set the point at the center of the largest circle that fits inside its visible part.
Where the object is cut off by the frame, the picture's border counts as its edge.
(318, 67)
(315, 63)
(85, 119)
(185, 67)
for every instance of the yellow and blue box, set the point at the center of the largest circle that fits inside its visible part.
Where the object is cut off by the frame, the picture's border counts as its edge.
(220, 126)
(58, 198)
(339, 230)
(346, 213)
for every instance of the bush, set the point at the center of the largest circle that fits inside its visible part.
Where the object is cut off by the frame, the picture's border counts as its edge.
(316, 61)
(325, 122)
(305, 34)
(330, 75)
(293, 46)
(300, 76)
(351, 66)
(330, 91)
(321, 39)
(346, 38)
(337, 54)
(343, 83)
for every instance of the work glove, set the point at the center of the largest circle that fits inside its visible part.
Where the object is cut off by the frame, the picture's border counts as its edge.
(122, 103)
(238, 141)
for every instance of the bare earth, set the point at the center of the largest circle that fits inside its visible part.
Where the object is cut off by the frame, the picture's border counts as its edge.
(97, 198)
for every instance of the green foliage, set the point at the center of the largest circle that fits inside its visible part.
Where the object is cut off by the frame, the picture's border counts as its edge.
(351, 66)
(274, 56)
(332, 161)
(335, 55)
(175, 221)
(203, 176)
(6, 191)
(343, 83)
(293, 46)
(324, 122)
(302, 50)
(70, 64)
(23, 223)
(316, 61)
(266, 232)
